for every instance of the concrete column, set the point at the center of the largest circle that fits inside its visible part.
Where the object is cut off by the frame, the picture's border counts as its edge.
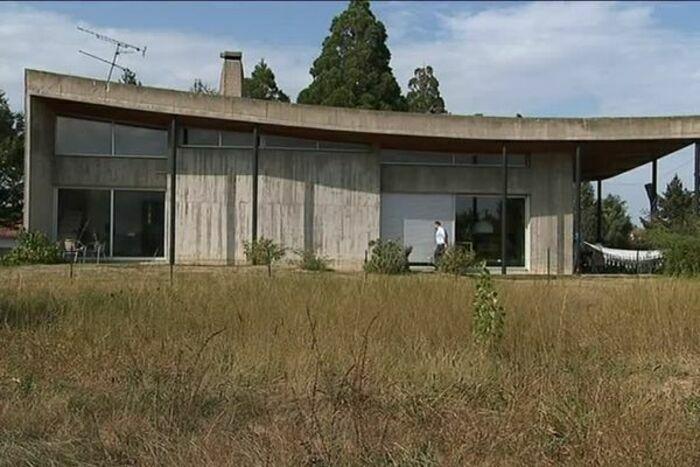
(653, 198)
(173, 176)
(504, 212)
(599, 212)
(254, 175)
(577, 210)
(696, 188)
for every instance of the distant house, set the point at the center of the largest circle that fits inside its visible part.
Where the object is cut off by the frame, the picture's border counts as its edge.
(162, 174)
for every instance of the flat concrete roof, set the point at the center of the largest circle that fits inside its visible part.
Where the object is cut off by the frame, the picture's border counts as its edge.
(609, 145)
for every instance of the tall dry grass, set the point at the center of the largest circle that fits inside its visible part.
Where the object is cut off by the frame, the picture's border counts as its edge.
(228, 366)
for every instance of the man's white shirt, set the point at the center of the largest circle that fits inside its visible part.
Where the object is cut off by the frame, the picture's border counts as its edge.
(440, 236)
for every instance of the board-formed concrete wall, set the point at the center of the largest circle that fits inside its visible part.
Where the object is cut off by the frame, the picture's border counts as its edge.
(547, 182)
(39, 166)
(321, 200)
(214, 205)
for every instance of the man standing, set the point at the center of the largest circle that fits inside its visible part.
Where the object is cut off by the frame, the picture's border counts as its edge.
(440, 242)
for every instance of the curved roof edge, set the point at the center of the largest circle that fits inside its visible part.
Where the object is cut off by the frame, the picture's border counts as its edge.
(149, 99)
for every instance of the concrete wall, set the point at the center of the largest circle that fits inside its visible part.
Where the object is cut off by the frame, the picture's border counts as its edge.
(39, 166)
(110, 172)
(328, 201)
(547, 183)
(214, 205)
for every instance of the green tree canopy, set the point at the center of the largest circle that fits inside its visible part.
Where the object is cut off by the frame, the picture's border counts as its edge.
(617, 224)
(675, 208)
(424, 92)
(129, 77)
(11, 164)
(353, 67)
(262, 84)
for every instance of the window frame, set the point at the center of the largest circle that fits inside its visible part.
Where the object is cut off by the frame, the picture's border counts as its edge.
(454, 163)
(112, 131)
(111, 191)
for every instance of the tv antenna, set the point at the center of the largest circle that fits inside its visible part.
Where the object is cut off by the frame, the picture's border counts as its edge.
(121, 48)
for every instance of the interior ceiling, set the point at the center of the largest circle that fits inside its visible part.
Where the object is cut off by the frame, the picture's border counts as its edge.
(600, 159)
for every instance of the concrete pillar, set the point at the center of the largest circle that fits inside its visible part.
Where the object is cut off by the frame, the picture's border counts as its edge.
(696, 188)
(577, 210)
(504, 212)
(599, 212)
(231, 81)
(653, 198)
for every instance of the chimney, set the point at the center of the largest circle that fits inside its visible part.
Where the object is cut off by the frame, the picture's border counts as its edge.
(231, 82)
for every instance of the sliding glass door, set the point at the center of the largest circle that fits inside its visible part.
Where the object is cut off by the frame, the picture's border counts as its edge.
(478, 223)
(138, 224)
(126, 223)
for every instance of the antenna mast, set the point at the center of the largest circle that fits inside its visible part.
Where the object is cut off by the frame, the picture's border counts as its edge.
(120, 48)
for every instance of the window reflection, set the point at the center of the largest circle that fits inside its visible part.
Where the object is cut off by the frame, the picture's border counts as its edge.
(478, 222)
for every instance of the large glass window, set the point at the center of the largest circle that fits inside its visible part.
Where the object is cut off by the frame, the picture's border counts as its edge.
(478, 222)
(83, 137)
(139, 141)
(138, 223)
(75, 136)
(401, 157)
(84, 217)
(200, 137)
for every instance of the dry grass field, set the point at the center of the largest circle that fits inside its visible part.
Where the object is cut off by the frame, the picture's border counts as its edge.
(229, 367)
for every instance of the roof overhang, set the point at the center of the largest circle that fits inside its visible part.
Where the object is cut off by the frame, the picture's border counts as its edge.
(609, 145)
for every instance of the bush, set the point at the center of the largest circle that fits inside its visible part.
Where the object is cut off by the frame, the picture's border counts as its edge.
(33, 248)
(488, 314)
(681, 250)
(309, 261)
(387, 257)
(457, 260)
(263, 251)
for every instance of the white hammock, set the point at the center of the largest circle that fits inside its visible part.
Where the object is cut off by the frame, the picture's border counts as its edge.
(628, 259)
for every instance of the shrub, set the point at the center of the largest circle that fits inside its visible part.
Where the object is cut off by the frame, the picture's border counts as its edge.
(457, 260)
(309, 261)
(263, 251)
(33, 247)
(681, 250)
(489, 315)
(387, 257)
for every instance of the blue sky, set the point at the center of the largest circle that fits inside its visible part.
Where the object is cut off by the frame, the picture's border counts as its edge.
(537, 59)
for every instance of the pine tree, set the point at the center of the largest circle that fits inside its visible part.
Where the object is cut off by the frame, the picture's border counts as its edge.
(617, 224)
(262, 84)
(353, 67)
(129, 77)
(675, 206)
(424, 92)
(11, 164)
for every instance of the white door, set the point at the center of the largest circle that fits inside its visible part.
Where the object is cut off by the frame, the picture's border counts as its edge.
(409, 217)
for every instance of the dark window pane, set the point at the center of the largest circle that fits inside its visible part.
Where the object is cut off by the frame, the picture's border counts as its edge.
(341, 146)
(275, 141)
(236, 138)
(83, 216)
(77, 136)
(139, 223)
(391, 156)
(138, 141)
(201, 137)
(478, 222)
(514, 160)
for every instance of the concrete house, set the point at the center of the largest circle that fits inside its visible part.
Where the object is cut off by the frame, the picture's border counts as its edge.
(169, 175)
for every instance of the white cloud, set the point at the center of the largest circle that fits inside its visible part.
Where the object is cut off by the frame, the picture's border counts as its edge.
(542, 57)
(49, 41)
